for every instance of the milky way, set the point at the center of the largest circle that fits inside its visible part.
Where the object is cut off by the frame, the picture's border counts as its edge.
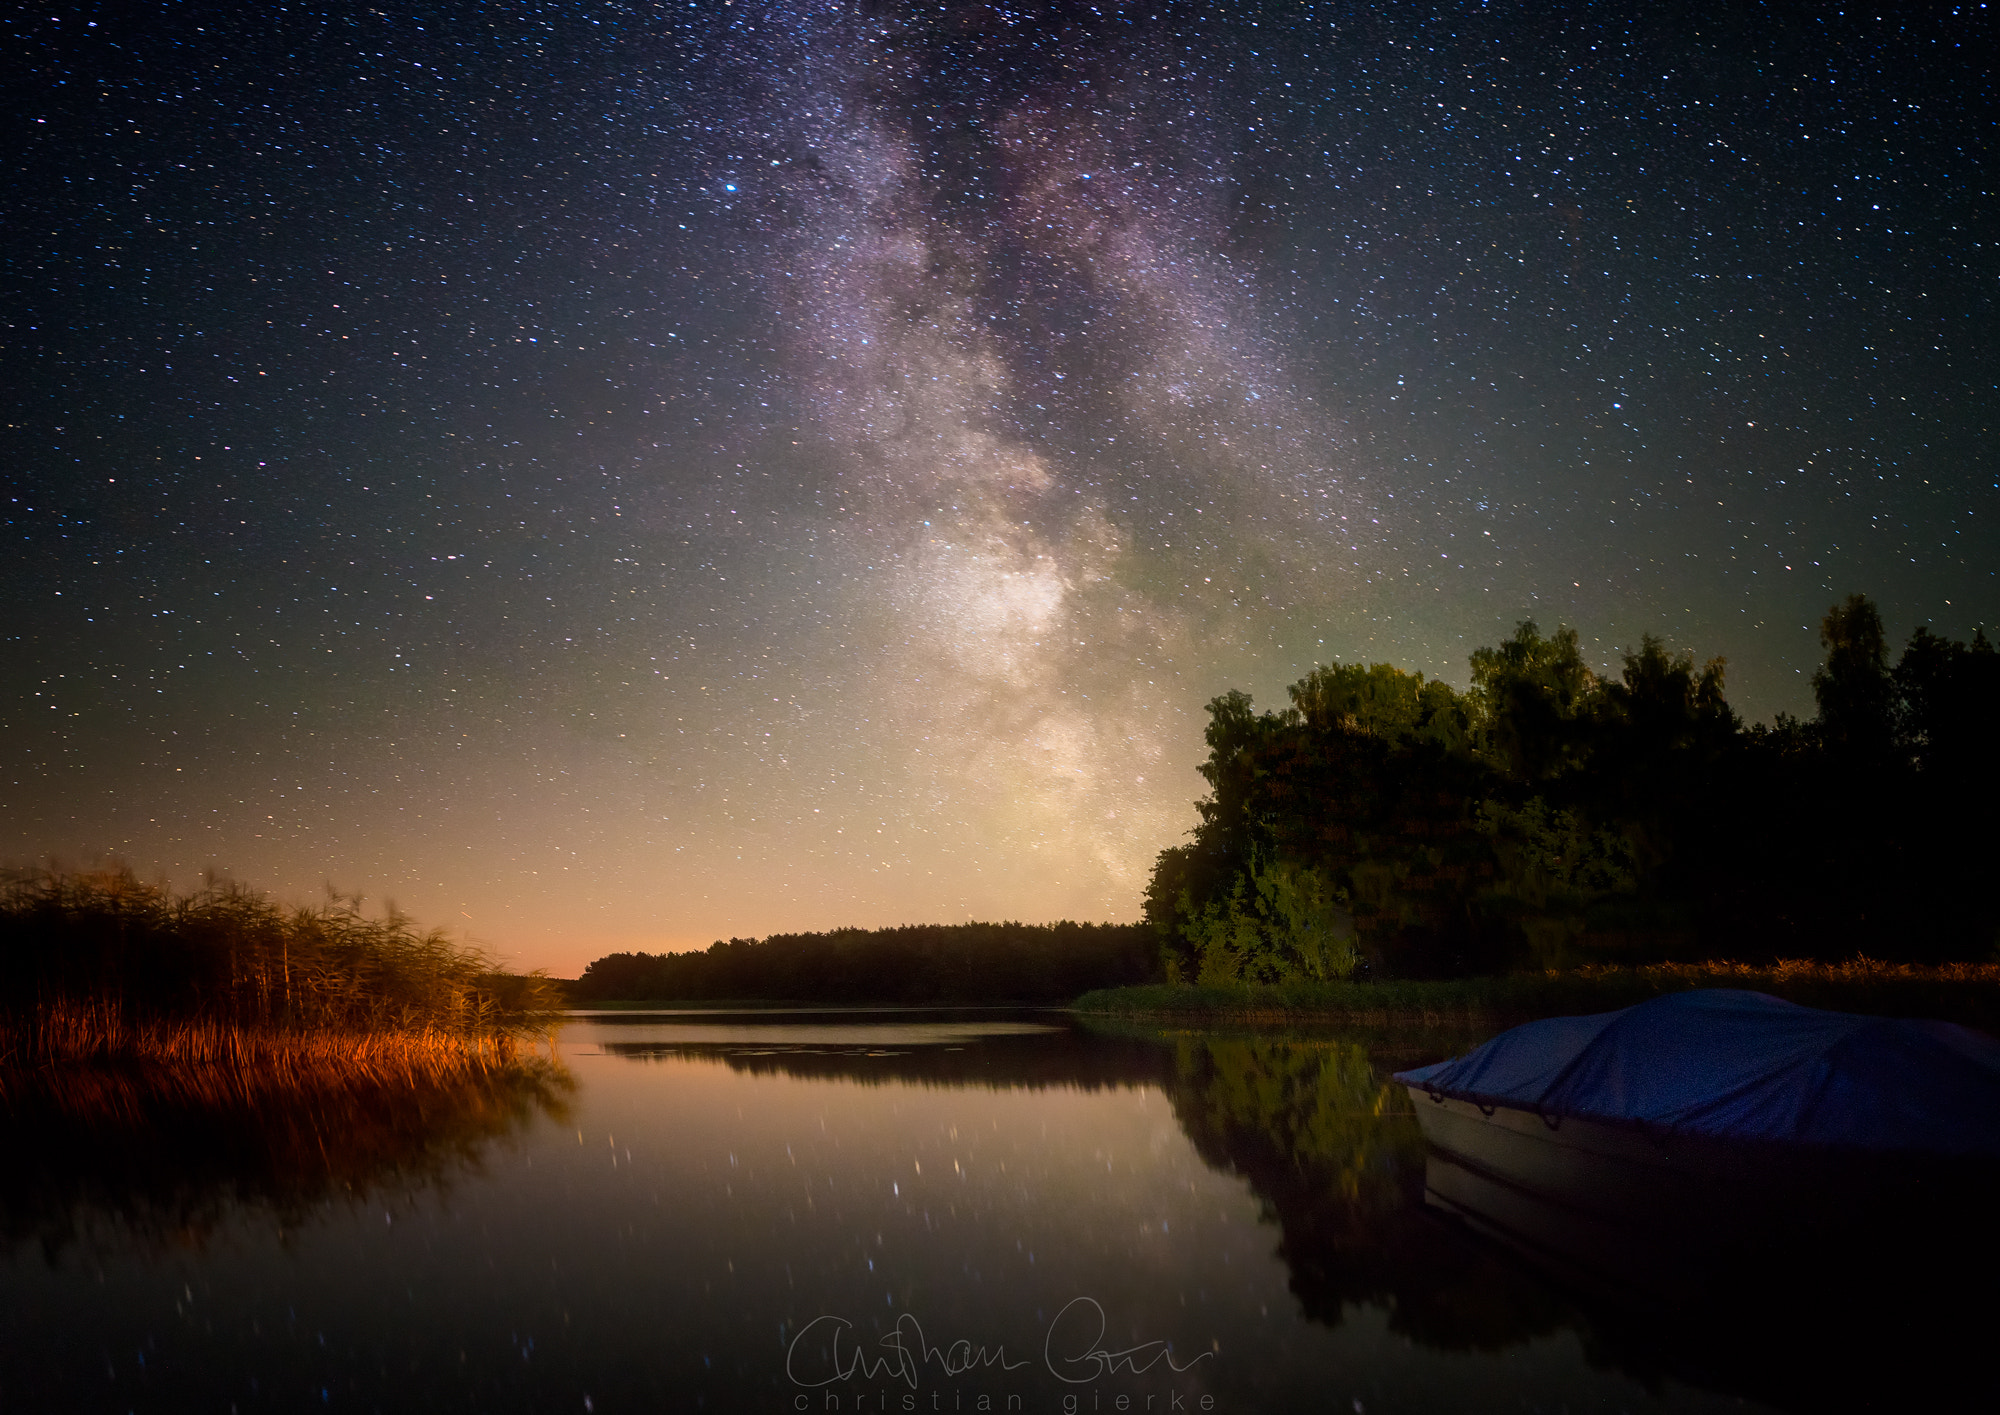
(618, 476)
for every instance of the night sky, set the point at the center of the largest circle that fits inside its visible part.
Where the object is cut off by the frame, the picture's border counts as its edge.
(615, 476)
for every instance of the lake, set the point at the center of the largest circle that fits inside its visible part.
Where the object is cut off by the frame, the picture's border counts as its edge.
(864, 1211)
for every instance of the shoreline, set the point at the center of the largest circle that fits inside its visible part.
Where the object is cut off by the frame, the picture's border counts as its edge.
(1968, 994)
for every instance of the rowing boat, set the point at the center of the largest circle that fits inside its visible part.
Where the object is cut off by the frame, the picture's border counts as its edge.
(1647, 1150)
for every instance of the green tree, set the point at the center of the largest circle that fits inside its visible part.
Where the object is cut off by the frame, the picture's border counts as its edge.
(1855, 692)
(1549, 817)
(1661, 699)
(1280, 921)
(1235, 734)
(1553, 865)
(1946, 692)
(1384, 701)
(1309, 920)
(1534, 696)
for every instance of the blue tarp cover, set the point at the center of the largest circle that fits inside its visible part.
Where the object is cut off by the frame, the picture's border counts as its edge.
(1741, 1065)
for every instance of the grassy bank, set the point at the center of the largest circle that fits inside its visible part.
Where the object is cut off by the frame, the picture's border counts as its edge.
(99, 970)
(1968, 993)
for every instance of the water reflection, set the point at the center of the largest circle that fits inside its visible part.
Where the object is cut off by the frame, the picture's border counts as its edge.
(116, 1157)
(1849, 1291)
(933, 1049)
(712, 1187)
(1332, 1149)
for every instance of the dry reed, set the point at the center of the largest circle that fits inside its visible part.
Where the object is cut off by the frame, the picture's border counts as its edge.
(217, 1061)
(242, 996)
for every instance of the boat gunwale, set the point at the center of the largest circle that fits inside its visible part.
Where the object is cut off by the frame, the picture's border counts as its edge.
(1664, 1136)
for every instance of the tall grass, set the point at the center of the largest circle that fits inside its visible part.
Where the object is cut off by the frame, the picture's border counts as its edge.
(218, 1061)
(98, 966)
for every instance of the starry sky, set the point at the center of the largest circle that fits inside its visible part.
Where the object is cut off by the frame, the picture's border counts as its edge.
(615, 476)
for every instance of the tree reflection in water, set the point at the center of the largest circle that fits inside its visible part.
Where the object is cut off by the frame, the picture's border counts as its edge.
(163, 1157)
(1855, 1314)
(1862, 1302)
(1331, 1148)
(1328, 1145)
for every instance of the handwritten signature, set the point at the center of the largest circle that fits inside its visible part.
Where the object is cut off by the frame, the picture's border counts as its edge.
(1094, 1358)
(1074, 1343)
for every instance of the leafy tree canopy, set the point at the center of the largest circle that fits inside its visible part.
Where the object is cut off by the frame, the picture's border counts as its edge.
(1386, 823)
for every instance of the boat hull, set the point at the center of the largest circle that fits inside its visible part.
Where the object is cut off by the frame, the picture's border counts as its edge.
(1659, 1218)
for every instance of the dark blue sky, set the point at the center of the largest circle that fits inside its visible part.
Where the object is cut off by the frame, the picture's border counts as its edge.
(620, 475)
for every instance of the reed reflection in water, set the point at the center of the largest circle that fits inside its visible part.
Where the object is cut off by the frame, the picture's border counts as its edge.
(112, 1155)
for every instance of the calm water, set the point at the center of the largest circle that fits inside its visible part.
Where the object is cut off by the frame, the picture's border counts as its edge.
(940, 1212)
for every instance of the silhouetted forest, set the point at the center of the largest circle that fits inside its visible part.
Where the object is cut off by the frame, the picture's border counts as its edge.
(1386, 825)
(920, 963)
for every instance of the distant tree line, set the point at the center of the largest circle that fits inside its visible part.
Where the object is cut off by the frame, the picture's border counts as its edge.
(1388, 825)
(921, 963)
